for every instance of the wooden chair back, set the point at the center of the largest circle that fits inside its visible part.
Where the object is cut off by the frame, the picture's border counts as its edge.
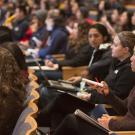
(72, 71)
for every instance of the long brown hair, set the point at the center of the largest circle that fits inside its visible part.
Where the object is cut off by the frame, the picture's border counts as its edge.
(10, 78)
(83, 29)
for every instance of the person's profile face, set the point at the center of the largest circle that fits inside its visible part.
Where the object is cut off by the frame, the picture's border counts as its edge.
(95, 38)
(118, 51)
(18, 14)
(115, 16)
(133, 19)
(1, 3)
(123, 18)
(132, 59)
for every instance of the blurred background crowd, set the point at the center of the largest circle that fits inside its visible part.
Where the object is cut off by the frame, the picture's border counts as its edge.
(45, 26)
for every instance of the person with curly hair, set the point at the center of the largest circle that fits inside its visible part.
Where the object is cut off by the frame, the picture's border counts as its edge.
(12, 92)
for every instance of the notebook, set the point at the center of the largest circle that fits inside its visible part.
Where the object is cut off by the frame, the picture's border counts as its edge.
(60, 85)
(73, 99)
(43, 68)
(92, 121)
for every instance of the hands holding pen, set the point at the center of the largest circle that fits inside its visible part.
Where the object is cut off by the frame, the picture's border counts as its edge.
(102, 87)
(102, 90)
(49, 63)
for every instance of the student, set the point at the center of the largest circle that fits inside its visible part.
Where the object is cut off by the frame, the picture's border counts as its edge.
(13, 48)
(133, 22)
(20, 25)
(40, 33)
(125, 21)
(12, 93)
(58, 39)
(74, 125)
(77, 53)
(97, 35)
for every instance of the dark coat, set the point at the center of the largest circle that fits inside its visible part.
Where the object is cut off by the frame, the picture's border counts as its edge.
(81, 59)
(57, 42)
(120, 79)
(19, 29)
(41, 35)
(100, 64)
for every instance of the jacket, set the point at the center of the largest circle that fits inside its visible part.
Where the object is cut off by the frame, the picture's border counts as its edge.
(100, 64)
(19, 29)
(120, 80)
(38, 37)
(81, 59)
(57, 42)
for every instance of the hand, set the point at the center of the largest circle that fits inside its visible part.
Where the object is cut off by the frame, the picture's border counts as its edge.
(49, 63)
(101, 5)
(10, 26)
(104, 120)
(56, 66)
(102, 90)
(84, 95)
(34, 27)
(74, 79)
(85, 73)
(25, 43)
(104, 19)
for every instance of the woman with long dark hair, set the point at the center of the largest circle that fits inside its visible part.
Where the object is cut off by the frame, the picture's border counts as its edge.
(12, 92)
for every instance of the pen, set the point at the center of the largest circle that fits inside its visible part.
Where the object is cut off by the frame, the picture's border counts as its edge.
(96, 79)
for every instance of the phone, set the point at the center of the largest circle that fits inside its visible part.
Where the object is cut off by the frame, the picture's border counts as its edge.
(92, 82)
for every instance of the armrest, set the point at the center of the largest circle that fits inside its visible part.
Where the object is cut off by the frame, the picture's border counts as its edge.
(31, 71)
(107, 106)
(125, 132)
(122, 132)
(116, 117)
(33, 77)
(42, 68)
(72, 71)
(59, 56)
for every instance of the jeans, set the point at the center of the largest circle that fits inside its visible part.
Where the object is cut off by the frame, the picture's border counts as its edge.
(98, 111)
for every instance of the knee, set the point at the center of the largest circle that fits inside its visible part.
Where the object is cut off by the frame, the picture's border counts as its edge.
(70, 118)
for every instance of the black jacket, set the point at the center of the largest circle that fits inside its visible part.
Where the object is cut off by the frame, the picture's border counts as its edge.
(19, 29)
(57, 42)
(120, 79)
(100, 64)
(81, 59)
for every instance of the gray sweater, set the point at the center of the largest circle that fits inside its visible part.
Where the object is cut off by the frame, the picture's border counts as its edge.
(123, 107)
